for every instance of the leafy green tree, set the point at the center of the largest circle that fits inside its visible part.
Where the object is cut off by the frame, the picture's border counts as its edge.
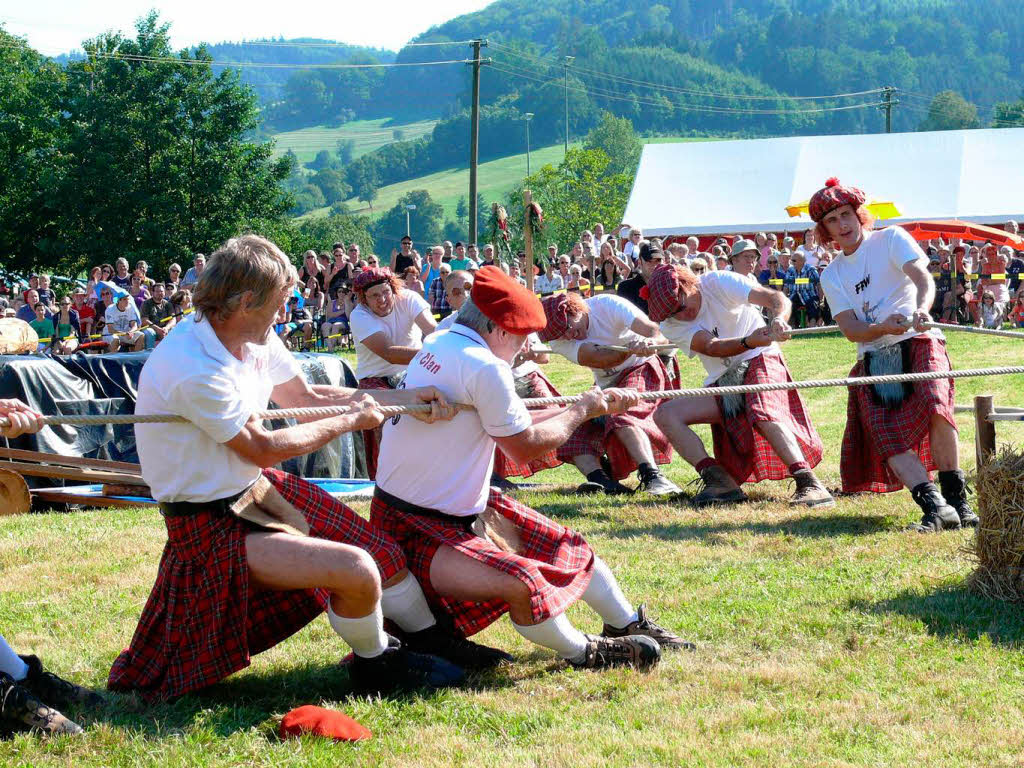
(425, 223)
(574, 195)
(332, 183)
(617, 139)
(322, 160)
(1009, 115)
(346, 150)
(949, 111)
(462, 211)
(319, 233)
(30, 133)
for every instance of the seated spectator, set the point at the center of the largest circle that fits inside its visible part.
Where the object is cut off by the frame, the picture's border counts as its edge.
(990, 314)
(610, 274)
(335, 325)
(341, 268)
(514, 272)
(412, 280)
(300, 321)
(192, 276)
(174, 277)
(1014, 270)
(314, 298)
(27, 311)
(33, 285)
(138, 290)
(122, 279)
(157, 316)
(181, 304)
(773, 276)
(1016, 315)
(550, 281)
(577, 282)
(310, 268)
(803, 288)
(66, 329)
(121, 325)
(142, 270)
(438, 300)
(42, 325)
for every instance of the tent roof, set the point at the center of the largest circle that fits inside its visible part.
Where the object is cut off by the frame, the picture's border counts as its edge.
(723, 187)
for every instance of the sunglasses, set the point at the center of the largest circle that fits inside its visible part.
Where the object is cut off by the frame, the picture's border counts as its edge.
(699, 270)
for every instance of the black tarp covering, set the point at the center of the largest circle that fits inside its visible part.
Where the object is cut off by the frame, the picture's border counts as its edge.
(105, 384)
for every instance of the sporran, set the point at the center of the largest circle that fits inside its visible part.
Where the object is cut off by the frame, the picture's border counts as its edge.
(891, 360)
(733, 405)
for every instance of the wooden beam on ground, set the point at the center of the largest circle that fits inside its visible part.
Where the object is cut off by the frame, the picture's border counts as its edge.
(984, 430)
(59, 495)
(72, 473)
(69, 461)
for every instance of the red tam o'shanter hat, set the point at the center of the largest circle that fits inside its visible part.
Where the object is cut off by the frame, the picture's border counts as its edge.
(834, 195)
(506, 302)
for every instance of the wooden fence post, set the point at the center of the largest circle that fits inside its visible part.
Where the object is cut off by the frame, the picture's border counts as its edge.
(984, 430)
(528, 237)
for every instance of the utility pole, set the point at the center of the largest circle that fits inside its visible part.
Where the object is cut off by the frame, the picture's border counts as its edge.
(407, 209)
(529, 117)
(887, 105)
(474, 138)
(568, 60)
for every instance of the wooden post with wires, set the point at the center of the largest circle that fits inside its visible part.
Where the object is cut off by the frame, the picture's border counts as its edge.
(984, 430)
(474, 139)
(528, 237)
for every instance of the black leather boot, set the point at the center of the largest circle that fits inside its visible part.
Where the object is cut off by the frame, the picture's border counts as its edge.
(954, 488)
(938, 515)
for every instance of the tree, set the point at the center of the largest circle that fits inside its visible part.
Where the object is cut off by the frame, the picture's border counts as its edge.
(346, 150)
(156, 165)
(30, 133)
(616, 138)
(362, 177)
(332, 183)
(322, 160)
(319, 233)
(424, 224)
(949, 111)
(1009, 115)
(462, 211)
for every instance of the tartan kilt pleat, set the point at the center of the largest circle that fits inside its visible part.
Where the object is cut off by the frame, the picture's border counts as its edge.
(741, 449)
(597, 437)
(371, 437)
(555, 562)
(503, 465)
(875, 433)
(204, 619)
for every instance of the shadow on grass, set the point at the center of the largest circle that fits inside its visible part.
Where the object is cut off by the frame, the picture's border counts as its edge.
(811, 526)
(954, 612)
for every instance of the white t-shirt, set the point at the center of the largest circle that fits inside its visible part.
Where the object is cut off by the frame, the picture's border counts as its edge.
(810, 254)
(544, 284)
(191, 374)
(447, 322)
(399, 328)
(460, 364)
(871, 282)
(118, 320)
(725, 313)
(610, 320)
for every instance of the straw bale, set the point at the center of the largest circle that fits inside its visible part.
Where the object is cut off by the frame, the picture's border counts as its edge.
(999, 543)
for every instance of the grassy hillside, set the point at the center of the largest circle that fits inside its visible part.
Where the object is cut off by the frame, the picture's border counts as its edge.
(495, 180)
(825, 637)
(367, 134)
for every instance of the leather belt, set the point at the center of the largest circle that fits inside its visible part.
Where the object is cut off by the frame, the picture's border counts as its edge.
(187, 508)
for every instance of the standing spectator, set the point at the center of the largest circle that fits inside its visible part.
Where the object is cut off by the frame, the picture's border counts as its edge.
(649, 259)
(810, 248)
(473, 254)
(66, 329)
(631, 250)
(341, 269)
(121, 325)
(46, 295)
(86, 313)
(1014, 270)
(372, 261)
(721, 262)
(460, 261)
(174, 277)
(438, 301)
(447, 245)
(487, 257)
(192, 276)
(94, 279)
(457, 287)
(157, 316)
(993, 278)
(122, 279)
(552, 253)
(402, 259)
(701, 265)
(550, 281)
(599, 236)
(432, 269)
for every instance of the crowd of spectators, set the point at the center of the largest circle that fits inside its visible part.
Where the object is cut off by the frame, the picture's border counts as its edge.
(124, 309)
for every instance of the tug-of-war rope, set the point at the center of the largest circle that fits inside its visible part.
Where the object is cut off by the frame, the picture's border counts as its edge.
(547, 402)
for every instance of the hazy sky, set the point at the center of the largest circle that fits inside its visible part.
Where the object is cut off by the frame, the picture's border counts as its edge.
(58, 26)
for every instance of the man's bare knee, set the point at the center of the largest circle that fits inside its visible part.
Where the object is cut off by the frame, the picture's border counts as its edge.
(361, 580)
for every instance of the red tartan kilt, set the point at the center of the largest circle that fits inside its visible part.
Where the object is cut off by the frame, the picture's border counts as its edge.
(874, 433)
(204, 620)
(503, 465)
(371, 437)
(594, 438)
(744, 452)
(556, 563)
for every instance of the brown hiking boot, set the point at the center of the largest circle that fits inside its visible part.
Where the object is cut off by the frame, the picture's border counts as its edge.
(637, 651)
(20, 708)
(646, 626)
(49, 687)
(810, 492)
(719, 488)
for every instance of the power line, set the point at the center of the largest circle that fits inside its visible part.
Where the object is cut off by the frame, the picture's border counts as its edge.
(659, 86)
(139, 58)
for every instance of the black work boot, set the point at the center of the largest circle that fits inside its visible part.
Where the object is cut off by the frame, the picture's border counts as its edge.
(48, 687)
(600, 481)
(20, 709)
(443, 640)
(655, 483)
(954, 489)
(398, 670)
(938, 515)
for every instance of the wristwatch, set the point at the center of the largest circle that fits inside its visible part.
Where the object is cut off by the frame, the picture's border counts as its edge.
(743, 341)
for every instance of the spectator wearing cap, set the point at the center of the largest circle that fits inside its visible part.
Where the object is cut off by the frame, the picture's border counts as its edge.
(405, 257)
(86, 314)
(649, 259)
(744, 258)
(388, 325)
(121, 325)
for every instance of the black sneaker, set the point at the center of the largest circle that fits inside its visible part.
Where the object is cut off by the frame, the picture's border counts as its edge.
(445, 642)
(20, 709)
(608, 486)
(398, 669)
(647, 626)
(48, 687)
(637, 651)
(502, 484)
(656, 484)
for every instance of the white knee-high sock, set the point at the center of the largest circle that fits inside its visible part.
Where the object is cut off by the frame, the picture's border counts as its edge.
(10, 663)
(604, 596)
(558, 634)
(405, 605)
(366, 634)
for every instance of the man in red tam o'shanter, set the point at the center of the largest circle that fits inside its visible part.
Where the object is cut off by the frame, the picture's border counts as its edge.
(387, 325)
(880, 292)
(758, 435)
(581, 330)
(477, 552)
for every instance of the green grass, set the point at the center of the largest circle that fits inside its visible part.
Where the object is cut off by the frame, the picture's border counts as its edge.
(829, 637)
(495, 179)
(367, 134)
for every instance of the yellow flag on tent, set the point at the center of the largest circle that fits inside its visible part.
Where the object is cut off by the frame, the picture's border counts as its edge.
(880, 209)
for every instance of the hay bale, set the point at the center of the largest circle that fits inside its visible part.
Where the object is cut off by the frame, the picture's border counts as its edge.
(999, 543)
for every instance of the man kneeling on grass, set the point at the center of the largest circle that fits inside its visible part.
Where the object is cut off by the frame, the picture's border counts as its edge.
(758, 435)
(477, 552)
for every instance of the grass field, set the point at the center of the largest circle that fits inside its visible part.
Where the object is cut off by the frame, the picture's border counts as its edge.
(830, 637)
(367, 134)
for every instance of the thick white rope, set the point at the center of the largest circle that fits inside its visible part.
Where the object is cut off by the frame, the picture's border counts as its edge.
(547, 402)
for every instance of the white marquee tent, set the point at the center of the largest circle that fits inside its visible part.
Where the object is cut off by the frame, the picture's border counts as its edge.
(728, 187)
